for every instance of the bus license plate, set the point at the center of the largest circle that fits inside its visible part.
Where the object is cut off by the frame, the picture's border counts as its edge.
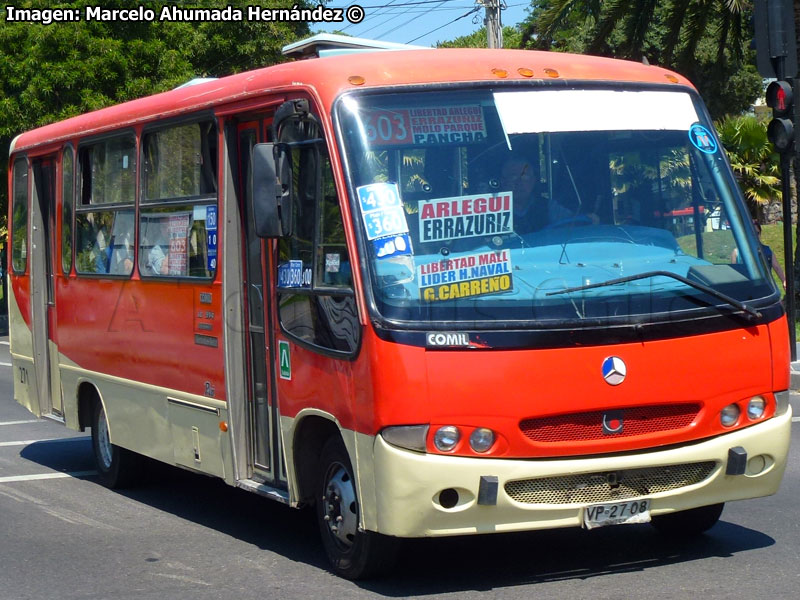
(617, 513)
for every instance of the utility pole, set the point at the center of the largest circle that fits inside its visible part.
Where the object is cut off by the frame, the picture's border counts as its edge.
(494, 27)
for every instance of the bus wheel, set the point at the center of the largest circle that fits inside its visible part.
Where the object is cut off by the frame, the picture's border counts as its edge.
(688, 523)
(117, 467)
(353, 554)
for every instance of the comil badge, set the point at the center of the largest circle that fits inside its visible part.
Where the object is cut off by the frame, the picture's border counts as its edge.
(614, 370)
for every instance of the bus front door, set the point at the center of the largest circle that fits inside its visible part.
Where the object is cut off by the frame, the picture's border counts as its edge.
(45, 350)
(266, 456)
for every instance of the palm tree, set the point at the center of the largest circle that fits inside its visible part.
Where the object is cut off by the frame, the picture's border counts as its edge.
(663, 28)
(753, 158)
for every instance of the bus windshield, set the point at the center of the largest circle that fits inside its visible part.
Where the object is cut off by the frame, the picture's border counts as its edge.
(483, 206)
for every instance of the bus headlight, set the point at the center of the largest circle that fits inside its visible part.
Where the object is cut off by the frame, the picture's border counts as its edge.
(755, 408)
(481, 439)
(446, 438)
(729, 415)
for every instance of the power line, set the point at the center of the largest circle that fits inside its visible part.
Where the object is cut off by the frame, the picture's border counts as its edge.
(474, 10)
(373, 27)
(405, 23)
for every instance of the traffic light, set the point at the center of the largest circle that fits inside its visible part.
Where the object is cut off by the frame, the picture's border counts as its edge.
(780, 130)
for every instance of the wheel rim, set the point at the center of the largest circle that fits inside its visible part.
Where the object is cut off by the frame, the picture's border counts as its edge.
(340, 511)
(103, 443)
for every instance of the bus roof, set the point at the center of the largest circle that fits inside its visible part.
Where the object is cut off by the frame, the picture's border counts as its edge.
(330, 76)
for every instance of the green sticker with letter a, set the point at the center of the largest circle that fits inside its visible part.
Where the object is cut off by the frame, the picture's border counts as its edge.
(284, 359)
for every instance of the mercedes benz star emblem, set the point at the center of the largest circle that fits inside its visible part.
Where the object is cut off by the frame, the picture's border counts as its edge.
(614, 370)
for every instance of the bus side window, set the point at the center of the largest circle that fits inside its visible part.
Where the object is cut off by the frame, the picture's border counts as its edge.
(178, 201)
(333, 262)
(104, 224)
(19, 219)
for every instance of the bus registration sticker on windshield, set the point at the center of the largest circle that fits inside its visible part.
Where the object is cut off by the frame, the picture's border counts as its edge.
(616, 513)
(382, 210)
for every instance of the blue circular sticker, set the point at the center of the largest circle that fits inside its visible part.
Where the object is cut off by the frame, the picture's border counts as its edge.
(702, 139)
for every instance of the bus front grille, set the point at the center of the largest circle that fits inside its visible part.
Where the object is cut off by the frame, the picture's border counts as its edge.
(610, 486)
(587, 426)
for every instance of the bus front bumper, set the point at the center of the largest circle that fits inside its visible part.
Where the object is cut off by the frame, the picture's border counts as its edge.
(419, 495)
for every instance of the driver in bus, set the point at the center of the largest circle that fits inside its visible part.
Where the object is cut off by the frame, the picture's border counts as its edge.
(531, 212)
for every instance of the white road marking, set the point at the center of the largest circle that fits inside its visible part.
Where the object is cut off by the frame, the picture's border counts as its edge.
(6, 343)
(14, 478)
(795, 419)
(5, 364)
(19, 422)
(50, 441)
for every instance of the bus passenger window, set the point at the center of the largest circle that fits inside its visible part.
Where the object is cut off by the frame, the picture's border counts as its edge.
(104, 217)
(178, 219)
(105, 242)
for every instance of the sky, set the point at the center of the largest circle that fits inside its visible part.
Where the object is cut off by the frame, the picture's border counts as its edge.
(419, 22)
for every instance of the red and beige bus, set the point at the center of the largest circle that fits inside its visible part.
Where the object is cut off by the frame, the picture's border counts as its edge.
(430, 292)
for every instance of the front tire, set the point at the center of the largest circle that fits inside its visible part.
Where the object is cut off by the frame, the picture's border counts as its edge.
(353, 553)
(689, 523)
(117, 467)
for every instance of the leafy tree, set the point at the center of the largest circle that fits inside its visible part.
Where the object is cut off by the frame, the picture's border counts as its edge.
(51, 72)
(754, 160)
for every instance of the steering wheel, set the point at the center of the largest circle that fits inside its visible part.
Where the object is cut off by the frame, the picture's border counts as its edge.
(576, 220)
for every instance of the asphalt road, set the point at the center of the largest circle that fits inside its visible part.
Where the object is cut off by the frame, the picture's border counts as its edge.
(180, 536)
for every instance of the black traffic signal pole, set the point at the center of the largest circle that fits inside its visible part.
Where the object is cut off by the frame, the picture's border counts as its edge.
(776, 56)
(786, 201)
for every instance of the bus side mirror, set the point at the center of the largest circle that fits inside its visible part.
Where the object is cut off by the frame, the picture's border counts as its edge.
(272, 190)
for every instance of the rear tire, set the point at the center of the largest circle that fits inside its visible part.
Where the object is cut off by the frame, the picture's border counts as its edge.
(117, 467)
(353, 553)
(689, 523)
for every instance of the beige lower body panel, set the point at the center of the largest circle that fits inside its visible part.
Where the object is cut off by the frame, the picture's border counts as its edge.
(164, 424)
(407, 485)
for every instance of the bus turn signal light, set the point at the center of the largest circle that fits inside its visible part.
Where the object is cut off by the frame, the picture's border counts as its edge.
(223, 426)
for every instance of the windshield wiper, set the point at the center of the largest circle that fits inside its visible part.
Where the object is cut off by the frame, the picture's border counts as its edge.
(699, 286)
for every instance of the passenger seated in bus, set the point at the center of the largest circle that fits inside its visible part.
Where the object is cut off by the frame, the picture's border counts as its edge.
(120, 247)
(101, 251)
(121, 258)
(157, 262)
